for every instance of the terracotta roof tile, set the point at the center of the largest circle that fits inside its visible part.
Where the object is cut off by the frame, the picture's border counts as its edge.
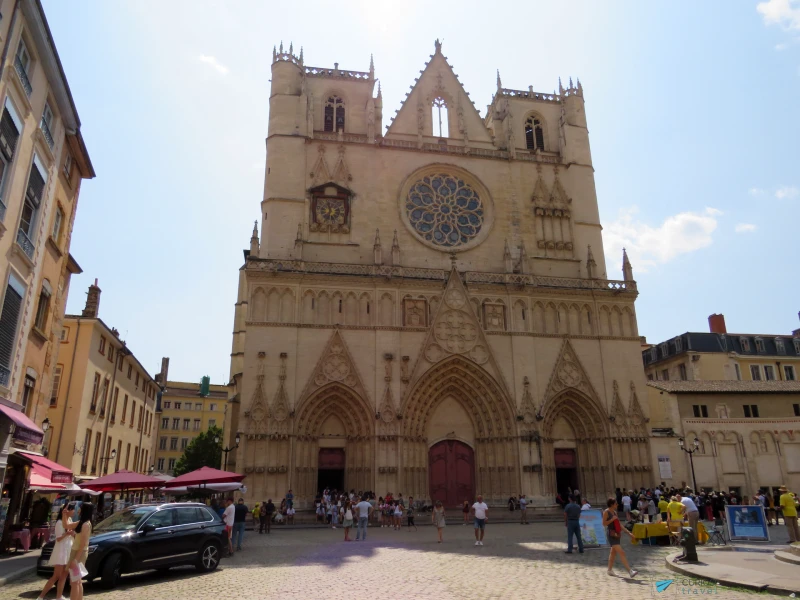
(727, 387)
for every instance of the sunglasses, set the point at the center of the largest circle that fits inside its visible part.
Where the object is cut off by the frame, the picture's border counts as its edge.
(70, 507)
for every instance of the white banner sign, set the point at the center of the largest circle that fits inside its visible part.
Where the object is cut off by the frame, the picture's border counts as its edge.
(664, 467)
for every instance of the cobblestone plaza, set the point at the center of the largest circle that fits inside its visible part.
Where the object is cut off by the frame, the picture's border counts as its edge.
(516, 562)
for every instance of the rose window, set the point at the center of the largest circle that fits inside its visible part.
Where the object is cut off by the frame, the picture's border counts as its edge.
(444, 210)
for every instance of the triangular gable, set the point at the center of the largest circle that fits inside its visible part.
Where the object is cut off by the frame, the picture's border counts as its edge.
(321, 173)
(455, 330)
(618, 412)
(335, 365)
(387, 426)
(439, 79)
(528, 407)
(540, 193)
(558, 195)
(567, 373)
(635, 412)
(341, 173)
(258, 413)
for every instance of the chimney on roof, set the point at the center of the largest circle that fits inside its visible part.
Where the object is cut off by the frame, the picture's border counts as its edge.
(716, 324)
(92, 302)
(164, 370)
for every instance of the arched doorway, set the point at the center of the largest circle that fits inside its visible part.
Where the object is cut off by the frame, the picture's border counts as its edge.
(451, 468)
(330, 470)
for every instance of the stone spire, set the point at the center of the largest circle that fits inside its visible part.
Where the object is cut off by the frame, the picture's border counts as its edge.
(298, 242)
(499, 83)
(377, 249)
(560, 87)
(274, 54)
(591, 265)
(371, 68)
(523, 257)
(254, 240)
(509, 265)
(92, 308)
(301, 56)
(395, 250)
(627, 269)
(380, 93)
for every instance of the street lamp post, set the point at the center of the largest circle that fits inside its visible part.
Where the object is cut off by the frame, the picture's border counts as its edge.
(226, 450)
(111, 456)
(690, 452)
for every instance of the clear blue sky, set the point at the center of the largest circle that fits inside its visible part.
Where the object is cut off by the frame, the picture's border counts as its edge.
(692, 110)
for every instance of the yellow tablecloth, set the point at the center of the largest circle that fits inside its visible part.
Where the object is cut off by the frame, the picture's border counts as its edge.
(645, 530)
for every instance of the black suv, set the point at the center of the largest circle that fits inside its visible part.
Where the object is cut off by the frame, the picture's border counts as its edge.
(150, 536)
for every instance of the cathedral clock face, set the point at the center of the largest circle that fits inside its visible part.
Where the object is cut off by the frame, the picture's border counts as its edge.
(330, 211)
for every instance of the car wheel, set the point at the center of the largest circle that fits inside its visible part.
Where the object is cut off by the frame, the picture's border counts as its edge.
(112, 571)
(209, 558)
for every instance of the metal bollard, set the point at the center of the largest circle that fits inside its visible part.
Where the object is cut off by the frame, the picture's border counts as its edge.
(689, 543)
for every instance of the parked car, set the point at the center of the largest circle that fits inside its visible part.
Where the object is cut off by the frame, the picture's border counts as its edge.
(150, 536)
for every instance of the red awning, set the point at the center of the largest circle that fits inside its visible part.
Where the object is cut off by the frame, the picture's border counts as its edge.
(40, 481)
(202, 476)
(25, 430)
(123, 480)
(52, 470)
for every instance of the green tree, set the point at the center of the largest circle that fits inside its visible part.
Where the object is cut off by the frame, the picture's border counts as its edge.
(202, 451)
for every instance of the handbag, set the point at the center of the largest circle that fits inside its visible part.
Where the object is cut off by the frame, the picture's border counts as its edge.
(614, 529)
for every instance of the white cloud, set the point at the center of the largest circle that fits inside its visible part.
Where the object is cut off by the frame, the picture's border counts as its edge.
(787, 191)
(213, 63)
(785, 13)
(745, 228)
(754, 191)
(649, 246)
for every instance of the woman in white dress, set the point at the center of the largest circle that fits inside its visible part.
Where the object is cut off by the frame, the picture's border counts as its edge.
(65, 532)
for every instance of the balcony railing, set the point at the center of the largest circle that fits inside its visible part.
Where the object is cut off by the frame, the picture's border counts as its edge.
(47, 135)
(23, 76)
(5, 376)
(25, 243)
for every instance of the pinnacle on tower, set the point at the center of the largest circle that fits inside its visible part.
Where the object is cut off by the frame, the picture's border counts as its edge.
(371, 67)
(301, 55)
(291, 48)
(280, 50)
(254, 240)
(377, 250)
(380, 94)
(299, 236)
(274, 54)
(627, 269)
(507, 258)
(499, 83)
(580, 87)
(395, 249)
(570, 83)
(591, 265)
(560, 87)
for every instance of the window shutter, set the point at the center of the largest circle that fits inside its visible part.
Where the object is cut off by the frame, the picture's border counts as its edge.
(35, 189)
(8, 324)
(529, 137)
(328, 118)
(9, 135)
(539, 137)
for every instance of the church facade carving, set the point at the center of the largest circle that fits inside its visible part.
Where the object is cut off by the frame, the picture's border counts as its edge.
(487, 356)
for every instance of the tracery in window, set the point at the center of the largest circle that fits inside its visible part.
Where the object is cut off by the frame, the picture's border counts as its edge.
(439, 118)
(444, 210)
(334, 114)
(534, 133)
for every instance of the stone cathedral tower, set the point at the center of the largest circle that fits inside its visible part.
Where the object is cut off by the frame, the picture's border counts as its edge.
(427, 310)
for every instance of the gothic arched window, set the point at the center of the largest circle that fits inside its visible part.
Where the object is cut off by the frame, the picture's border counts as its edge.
(334, 114)
(439, 120)
(534, 134)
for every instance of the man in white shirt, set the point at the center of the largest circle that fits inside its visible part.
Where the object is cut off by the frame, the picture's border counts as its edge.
(481, 514)
(228, 516)
(691, 512)
(523, 509)
(626, 506)
(363, 509)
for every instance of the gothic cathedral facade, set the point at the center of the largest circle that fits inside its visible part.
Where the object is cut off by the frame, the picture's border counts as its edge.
(427, 310)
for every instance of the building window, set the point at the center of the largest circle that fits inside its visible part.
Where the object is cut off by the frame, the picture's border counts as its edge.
(755, 372)
(102, 348)
(30, 209)
(127, 455)
(23, 65)
(780, 346)
(334, 114)
(769, 372)
(186, 424)
(759, 345)
(95, 391)
(176, 423)
(534, 134)
(788, 373)
(133, 414)
(678, 345)
(46, 125)
(43, 310)
(650, 377)
(124, 408)
(56, 385)
(184, 443)
(96, 452)
(665, 375)
(137, 379)
(198, 406)
(130, 370)
(165, 423)
(9, 320)
(197, 424)
(171, 464)
(745, 344)
(167, 404)
(738, 372)
(653, 354)
(119, 455)
(796, 346)
(104, 398)
(160, 466)
(700, 411)
(110, 353)
(27, 392)
(114, 405)
(682, 371)
(10, 128)
(664, 349)
(64, 335)
(796, 410)
(212, 423)
(87, 441)
(141, 418)
(751, 411)
(58, 219)
(173, 443)
(68, 166)
(212, 407)
(439, 120)
(177, 406)
(162, 443)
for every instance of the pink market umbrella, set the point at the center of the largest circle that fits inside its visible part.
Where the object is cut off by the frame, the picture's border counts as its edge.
(203, 476)
(123, 480)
